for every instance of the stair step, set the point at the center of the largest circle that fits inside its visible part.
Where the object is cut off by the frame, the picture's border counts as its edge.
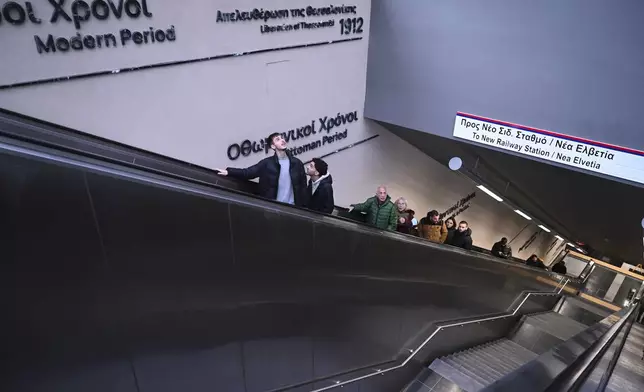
(510, 354)
(507, 354)
(519, 352)
(482, 367)
(455, 364)
(556, 325)
(454, 375)
(489, 356)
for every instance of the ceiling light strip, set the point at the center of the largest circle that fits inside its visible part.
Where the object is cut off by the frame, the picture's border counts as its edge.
(523, 214)
(489, 192)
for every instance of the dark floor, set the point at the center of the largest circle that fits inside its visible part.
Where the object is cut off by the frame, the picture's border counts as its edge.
(629, 372)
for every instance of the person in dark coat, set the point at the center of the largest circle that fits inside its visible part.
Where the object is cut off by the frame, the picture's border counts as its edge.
(560, 268)
(535, 261)
(281, 177)
(502, 249)
(320, 189)
(450, 224)
(462, 236)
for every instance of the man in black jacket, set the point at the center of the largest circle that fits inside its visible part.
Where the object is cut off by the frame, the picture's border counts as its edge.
(560, 268)
(281, 177)
(502, 249)
(320, 189)
(462, 237)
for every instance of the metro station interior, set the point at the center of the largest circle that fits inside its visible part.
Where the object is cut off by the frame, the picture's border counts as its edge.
(131, 264)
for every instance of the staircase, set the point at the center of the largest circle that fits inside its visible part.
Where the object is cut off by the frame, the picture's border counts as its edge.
(555, 324)
(474, 369)
(478, 367)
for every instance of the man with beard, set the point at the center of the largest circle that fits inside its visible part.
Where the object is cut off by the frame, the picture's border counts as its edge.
(462, 236)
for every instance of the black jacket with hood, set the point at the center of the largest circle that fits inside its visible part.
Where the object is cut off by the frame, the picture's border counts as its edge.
(462, 239)
(268, 171)
(322, 199)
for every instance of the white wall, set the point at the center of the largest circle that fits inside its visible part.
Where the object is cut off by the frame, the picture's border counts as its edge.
(193, 112)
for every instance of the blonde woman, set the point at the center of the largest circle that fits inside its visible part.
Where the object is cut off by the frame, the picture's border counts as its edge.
(405, 217)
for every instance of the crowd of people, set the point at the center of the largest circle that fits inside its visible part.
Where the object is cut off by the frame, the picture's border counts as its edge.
(384, 214)
(503, 250)
(283, 177)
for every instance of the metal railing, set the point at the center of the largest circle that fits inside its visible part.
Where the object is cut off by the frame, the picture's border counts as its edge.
(413, 352)
(578, 371)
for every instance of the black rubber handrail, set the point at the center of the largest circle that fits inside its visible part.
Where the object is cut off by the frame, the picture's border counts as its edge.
(48, 134)
(613, 360)
(64, 138)
(55, 137)
(575, 374)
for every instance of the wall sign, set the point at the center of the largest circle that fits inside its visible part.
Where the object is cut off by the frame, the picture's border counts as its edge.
(459, 207)
(294, 19)
(616, 161)
(321, 132)
(54, 40)
(79, 13)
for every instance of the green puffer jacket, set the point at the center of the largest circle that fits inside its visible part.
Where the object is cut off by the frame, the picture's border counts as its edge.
(383, 216)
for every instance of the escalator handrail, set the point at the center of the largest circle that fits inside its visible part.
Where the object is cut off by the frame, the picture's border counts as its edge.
(615, 357)
(577, 372)
(411, 353)
(65, 138)
(177, 182)
(118, 168)
(41, 127)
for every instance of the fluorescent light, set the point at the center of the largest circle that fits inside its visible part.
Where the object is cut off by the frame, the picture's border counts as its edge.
(573, 245)
(523, 214)
(559, 238)
(489, 192)
(544, 228)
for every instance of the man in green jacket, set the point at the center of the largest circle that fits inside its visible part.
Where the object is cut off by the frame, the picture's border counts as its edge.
(380, 211)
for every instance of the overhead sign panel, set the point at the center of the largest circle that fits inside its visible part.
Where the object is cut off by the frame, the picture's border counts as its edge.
(598, 157)
(55, 40)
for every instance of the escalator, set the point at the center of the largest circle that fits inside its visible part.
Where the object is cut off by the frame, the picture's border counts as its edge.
(122, 271)
(539, 353)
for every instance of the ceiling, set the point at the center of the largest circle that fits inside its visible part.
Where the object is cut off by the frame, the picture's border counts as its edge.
(602, 213)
